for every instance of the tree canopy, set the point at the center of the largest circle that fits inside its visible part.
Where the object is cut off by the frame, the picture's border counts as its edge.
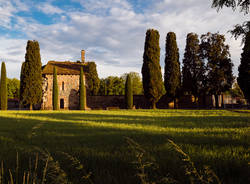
(31, 75)
(236, 91)
(151, 69)
(219, 65)
(13, 87)
(244, 69)
(129, 92)
(55, 91)
(242, 4)
(193, 67)
(115, 85)
(136, 82)
(82, 92)
(93, 80)
(239, 30)
(172, 76)
(3, 88)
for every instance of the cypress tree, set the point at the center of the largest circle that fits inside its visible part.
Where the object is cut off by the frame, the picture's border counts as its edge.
(55, 91)
(21, 85)
(129, 92)
(244, 69)
(172, 76)
(82, 91)
(31, 75)
(3, 89)
(193, 67)
(151, 69)
(93, 80)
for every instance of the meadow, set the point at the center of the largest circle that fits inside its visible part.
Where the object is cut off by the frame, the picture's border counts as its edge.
(93, 147)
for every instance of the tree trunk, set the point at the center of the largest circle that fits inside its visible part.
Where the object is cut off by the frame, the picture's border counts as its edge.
(204, 101)
(31, 107)
(153, 105)
(216, 97)
(196, 101)
(175, 105)
(222, 101)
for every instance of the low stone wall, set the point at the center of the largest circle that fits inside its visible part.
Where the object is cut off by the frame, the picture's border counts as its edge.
(140, 102)
(104, 102)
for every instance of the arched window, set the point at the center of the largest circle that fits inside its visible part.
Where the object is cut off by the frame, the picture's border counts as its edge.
(63, 86)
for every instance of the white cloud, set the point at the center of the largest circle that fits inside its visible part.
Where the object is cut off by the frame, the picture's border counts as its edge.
(47, 8)
(12, 52)
(95, 5)
(6, 12)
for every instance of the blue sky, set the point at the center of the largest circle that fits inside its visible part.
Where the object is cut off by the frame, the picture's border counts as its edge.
(111, 31)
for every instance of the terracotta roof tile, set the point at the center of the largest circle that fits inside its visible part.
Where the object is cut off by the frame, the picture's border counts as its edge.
(64, 68)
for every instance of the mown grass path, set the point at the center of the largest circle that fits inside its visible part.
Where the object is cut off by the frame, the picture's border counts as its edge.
(218, 138)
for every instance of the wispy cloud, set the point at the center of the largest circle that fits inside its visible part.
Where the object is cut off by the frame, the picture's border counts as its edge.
(48, 8)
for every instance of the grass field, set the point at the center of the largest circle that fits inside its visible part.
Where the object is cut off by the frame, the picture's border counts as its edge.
(218, 138)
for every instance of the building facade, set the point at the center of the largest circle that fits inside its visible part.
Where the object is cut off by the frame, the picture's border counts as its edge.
(68, 74)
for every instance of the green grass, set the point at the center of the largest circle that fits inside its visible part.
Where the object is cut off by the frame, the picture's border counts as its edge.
(218, 138)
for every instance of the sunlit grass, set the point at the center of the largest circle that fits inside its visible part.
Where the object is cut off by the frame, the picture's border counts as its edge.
(218, 138)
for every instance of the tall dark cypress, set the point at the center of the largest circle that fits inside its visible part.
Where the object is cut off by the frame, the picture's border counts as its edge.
(151, 69)
(129, 92)
(93, 80)
(244, 69)
(193, 70)
(55, 91)
(21, 85)
(3, 88)
(172, 76)
(31, 75)
(82, 89)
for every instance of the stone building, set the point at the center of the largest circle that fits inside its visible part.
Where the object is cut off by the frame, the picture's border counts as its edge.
(68, 74)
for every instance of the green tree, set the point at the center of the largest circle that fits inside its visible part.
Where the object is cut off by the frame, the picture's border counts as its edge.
(115, 85)
(93, 80)
(21, 85)
(193, 70)
(236, 91)
(55, 91)
(219, 65)
(244, 69)
(102, 89)
(13, 88)
(136, 82)
(129, 92)
(82, 91)
(31, 75)
(151, 69)
(172, 76)
(3, 88)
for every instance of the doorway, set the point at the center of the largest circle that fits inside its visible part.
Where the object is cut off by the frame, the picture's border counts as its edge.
(61, 103)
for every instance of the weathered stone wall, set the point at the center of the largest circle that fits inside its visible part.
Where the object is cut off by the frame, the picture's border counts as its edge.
(140, 102)
(69, 94)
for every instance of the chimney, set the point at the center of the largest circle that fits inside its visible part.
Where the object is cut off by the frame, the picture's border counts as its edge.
(83, 56)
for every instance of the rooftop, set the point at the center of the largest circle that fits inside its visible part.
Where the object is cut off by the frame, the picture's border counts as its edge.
(64, 67)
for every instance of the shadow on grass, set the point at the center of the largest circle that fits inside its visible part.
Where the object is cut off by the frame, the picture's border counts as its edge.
(105, 152)
(159, 121)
